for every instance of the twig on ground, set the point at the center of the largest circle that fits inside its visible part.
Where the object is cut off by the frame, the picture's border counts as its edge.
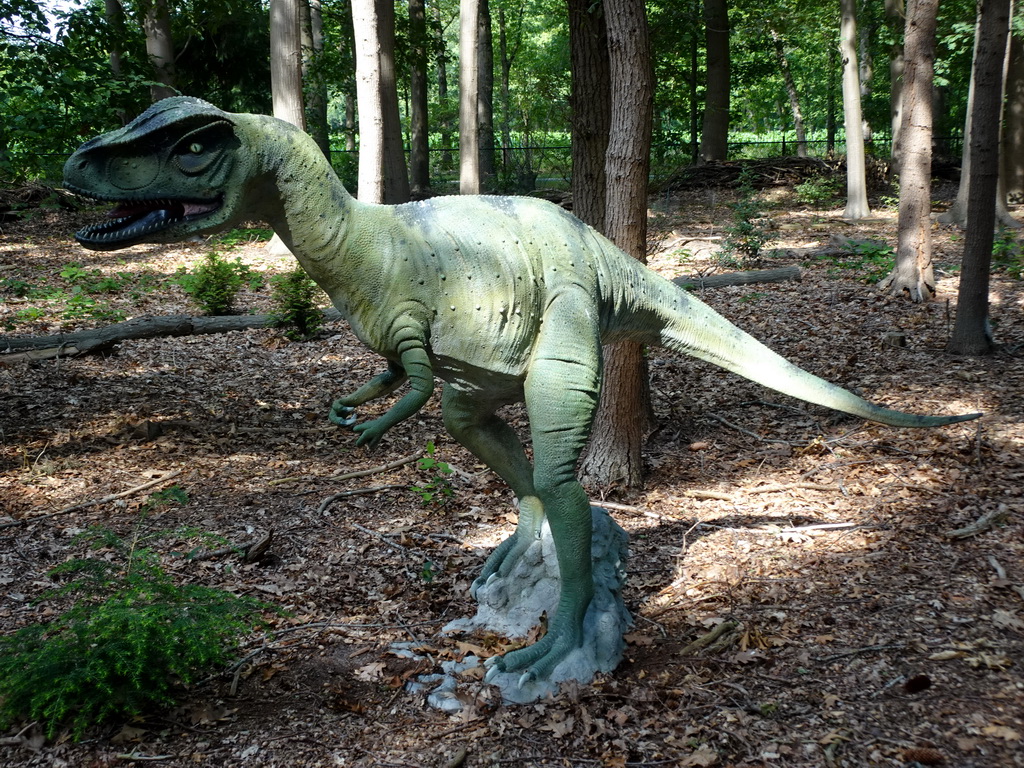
(94, 502)
(747, 432)
(250, 551)
(776, 487)
(709, 638)
(696, 493)
(384, 538)
(857, 651)
(16, 739)
(354, 492)
(982, 524)
(350, 475)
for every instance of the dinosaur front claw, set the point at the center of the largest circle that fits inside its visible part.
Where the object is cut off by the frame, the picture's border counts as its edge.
(342, 415)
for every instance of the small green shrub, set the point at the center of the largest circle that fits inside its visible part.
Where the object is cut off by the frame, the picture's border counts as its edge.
(1007, 255)
(295, 298)
(871, 260)
(438, 489)
(214, 284)
(129, 644)
(243, 236)
(817, 191)
(748, 233)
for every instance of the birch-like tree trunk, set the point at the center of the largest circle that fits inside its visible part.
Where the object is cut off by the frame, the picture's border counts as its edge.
(794, 99)
(382, 174)
(613, 456)
(714, 140)
(469, 90)
(160, 48)
(286, 62)
(972, 334)
(913, 274)
(856, 171)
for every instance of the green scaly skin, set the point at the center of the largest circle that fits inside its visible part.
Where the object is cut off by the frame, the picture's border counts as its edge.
(503, 299)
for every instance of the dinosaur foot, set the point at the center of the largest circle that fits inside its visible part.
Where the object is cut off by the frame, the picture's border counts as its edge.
(342, 415)
(512, 603)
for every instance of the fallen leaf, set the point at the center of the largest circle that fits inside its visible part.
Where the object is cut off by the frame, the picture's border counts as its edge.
(702, 758)
(1001, 732)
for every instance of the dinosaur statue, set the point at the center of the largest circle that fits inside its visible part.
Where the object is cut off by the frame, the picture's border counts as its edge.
(503, 299)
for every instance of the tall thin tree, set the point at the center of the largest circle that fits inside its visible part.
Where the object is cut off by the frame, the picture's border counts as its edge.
(714, 140)
(972, 333)
(469, 90)
(856, 171)
(419, 136)
(613, 455)
(382, 173)
(286, 62)
(156, 23)
(913, 274)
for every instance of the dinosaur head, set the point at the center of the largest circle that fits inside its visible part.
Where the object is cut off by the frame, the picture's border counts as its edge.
(177, 170)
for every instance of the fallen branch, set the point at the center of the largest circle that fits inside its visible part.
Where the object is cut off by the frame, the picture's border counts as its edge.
(982, 524)
(250, 552)
(779, 275)
(145, 327)
(709, 638)
(94, 502)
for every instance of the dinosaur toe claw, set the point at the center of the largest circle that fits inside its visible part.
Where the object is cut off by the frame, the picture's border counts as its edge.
(528, 676)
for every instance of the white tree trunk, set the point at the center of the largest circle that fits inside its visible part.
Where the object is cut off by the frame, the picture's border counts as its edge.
(856, 174)
(469, 88)
(286, 61)
(160, 49)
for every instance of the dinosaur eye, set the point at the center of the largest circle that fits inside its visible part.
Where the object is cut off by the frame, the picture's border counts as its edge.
(195, 148)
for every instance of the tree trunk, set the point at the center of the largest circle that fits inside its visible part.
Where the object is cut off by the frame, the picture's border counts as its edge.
(469, 89)
(830, 102)
(286, 62)
(865, 60)
(856, 173)
(1013, 127)
(313, 75)
(794, 99)
(485, 99)
(382, 174)
(958, 212)
(160, 49)
(613, 455)
(971, 332)
(894, 14)
(506, 57)
(419, 156)
(913, 274)
(444, 123)
(714, 141)
(591, 109)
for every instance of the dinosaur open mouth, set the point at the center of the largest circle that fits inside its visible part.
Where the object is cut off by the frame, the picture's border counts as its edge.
(135, 221)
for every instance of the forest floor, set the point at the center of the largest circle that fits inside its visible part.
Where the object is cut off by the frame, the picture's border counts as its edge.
(866, 635)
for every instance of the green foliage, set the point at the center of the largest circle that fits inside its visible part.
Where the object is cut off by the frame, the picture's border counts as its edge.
(438, 489)
(1007, 254)
(244, 236)
(214, 284)
(748, 233)
(131, 641)
(870, 260)
(817, 191)
(295, 298)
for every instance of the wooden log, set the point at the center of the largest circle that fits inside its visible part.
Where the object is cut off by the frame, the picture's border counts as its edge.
(778, 275)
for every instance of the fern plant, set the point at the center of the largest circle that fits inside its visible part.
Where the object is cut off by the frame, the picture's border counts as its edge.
(130, 643)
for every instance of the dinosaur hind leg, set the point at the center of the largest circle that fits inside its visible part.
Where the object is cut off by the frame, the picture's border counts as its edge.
(478, 429)
(561, 397)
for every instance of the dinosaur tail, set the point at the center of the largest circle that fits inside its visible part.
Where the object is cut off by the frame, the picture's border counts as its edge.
(692, 327)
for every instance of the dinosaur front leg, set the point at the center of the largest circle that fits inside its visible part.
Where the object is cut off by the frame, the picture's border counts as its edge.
(561, 397)
(473, 422)
(343, 410)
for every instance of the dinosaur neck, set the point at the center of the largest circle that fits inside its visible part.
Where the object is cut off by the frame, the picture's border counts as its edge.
(309, 208)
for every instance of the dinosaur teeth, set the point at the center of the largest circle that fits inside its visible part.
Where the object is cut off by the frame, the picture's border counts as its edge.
(135, 221)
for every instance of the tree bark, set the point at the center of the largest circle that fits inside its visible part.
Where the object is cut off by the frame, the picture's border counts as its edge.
(895, 16)
(794, 98)
(160, 49)
(313, 75)
(714, 141)
(972, 334)
(957, 213)
(485, 99)
(856, 173)
(286, 62)
(913, 274)
(613, 455)
(419, 156)
(590, 102)
(444, 123)
(382, 173)
(1013, 126)
(469, 89)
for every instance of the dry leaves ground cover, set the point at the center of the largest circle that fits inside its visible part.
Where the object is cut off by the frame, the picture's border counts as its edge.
(853, 630)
